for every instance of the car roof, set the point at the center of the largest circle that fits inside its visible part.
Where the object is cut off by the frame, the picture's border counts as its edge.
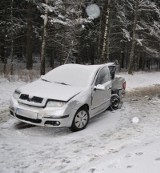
(89, 67)
(74, 74)
(81, 66)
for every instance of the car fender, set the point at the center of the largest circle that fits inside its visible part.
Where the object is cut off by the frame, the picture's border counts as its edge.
(81, 99)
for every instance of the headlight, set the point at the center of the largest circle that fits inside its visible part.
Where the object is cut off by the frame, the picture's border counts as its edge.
(55, 104)
(16, 94)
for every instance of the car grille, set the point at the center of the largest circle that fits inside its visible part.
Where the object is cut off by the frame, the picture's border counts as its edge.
(29, 119)
(33, 99)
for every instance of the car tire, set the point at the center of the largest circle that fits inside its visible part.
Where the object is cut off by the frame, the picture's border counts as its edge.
(80, 120)
(115, 102)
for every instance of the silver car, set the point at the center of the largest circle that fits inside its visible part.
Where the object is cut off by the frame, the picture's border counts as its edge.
(67, 96)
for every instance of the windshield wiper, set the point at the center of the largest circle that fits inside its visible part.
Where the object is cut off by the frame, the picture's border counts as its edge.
(45, 80)
(62, 83)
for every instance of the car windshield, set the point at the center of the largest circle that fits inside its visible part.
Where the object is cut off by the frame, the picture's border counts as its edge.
(73, 75)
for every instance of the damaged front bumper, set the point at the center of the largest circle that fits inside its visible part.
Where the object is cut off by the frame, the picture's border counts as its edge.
(50, 117)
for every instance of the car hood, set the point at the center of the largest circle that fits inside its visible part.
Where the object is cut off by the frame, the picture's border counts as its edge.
(50, 90)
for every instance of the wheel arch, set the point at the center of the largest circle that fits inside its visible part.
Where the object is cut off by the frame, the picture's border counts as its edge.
(85, 106)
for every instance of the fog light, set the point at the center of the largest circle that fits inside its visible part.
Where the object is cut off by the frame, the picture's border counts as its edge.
(57, 123)
(52, 123)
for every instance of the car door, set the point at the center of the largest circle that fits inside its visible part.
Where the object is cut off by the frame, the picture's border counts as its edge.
(101, 92)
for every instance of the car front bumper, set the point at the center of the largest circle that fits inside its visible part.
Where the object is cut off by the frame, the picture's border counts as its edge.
(52, 117)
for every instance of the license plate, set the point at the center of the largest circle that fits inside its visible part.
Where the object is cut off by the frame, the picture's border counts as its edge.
(26, 113)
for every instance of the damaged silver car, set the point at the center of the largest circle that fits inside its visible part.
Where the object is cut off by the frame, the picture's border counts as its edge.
(68, 96)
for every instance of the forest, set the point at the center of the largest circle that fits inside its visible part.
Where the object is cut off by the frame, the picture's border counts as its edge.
(49, 33)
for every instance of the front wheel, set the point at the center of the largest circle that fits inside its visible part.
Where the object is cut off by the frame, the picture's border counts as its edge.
(80, 120)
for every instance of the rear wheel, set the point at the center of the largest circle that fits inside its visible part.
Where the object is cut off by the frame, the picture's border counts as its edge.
(115, 102)
(80, 120)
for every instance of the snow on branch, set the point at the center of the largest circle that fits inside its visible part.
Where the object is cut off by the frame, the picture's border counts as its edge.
(138, 27)
(126, 34)
(58, 21)
(152, 52)
(146, 5)
(139, 42)
(83, 20)
(68, 22)
(50, 8)
(152, 30)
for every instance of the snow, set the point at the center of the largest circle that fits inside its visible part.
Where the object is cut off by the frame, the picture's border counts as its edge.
(73, 74)
(50, 8)
(83, 26)
(141, 79)
(6, 89)
(44, 89)
(135, 120)
(60, 22)
(138, 27)
(132, 160)
(152, 51)
(111, 142)
(126, 34)
(139, 42)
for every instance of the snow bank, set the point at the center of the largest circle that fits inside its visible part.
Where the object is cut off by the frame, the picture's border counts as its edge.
(6, 90)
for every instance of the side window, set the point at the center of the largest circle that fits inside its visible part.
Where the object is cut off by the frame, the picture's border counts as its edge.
(103, 76)
(112, 70)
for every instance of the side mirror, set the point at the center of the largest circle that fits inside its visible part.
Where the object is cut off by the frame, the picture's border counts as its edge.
(99, 87)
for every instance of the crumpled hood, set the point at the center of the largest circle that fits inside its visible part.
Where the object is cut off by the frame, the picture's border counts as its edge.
(49, 90)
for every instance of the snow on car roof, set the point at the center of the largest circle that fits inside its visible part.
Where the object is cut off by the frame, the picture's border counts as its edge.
(73, 74)
(89, 67)
(110, 64)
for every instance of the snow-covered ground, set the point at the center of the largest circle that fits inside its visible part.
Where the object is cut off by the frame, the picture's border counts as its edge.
(141, 79)
(125, 140)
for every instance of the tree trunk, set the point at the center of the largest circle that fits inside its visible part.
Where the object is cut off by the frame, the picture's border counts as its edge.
(44, 35)
(12, 42)
(29, 62)
(99, 39)
(51, 55)
(3, 50)
(105, 45)
(131, 58)
(4, 55)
